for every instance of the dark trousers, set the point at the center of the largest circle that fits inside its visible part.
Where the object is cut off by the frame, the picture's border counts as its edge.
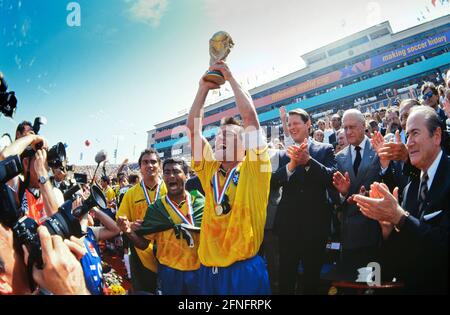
(142, 279)
(311, 253)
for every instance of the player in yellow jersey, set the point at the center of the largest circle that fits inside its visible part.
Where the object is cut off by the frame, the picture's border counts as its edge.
(236, 179)
(174, 223)
(133, 207)
(108, 191)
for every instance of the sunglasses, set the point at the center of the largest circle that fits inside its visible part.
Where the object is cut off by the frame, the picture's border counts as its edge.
(427, 95)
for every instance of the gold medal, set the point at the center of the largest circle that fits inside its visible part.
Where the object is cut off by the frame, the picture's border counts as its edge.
(219, 210)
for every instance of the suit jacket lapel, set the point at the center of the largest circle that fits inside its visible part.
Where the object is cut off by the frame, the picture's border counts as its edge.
(348, 165)
(313, 150)
(439, 185)
(366, 162)
(410, 200)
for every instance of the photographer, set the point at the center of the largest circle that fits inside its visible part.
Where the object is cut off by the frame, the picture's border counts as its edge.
(108, 230)
(59, 178)
(60, 182)
(62, 272)
(23, 129)
(35, 193)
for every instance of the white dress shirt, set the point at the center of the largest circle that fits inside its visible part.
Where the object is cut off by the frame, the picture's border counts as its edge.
(432, 170)
(362, 145)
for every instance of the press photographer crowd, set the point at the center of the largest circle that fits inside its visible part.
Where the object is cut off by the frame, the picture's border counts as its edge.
(303, 212)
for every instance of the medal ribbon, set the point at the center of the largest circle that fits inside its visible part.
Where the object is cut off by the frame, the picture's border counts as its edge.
(147, 197)
(190, 217)
(219, 195)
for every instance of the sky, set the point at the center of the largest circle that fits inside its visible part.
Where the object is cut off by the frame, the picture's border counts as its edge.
(108, 71)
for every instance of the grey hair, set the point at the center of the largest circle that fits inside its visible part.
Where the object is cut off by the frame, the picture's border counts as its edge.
(356, 113)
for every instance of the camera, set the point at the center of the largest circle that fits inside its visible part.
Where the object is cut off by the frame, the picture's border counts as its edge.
(9, 168)
(64, 223)
(56, 156)
(8, 101)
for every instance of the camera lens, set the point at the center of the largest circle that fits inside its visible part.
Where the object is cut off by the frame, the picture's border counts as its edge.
(57, 225)
(56, 155)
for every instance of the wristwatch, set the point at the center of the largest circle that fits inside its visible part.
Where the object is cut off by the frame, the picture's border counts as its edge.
(43, 179)
(398, 226)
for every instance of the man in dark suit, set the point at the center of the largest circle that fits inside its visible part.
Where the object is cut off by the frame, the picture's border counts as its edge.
(359, 166)
(303, 218)
(336, 124)
(421, 224)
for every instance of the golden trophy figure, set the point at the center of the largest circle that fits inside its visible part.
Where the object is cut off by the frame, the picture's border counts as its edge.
(220, 46)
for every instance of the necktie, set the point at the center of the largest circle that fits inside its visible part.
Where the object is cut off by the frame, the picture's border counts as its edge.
(357, 160)
(423, 191)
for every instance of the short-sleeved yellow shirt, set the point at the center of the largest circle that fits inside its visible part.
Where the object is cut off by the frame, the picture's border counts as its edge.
(173, 252)
(237, 235)
(109, 194)
(134, 206)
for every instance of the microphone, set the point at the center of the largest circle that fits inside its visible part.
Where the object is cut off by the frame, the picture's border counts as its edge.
(101, 156)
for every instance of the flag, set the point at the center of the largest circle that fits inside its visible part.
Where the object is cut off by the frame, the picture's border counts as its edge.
(158, 219)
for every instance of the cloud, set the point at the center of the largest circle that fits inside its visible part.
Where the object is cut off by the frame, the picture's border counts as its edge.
(148, 11)
(45, 91)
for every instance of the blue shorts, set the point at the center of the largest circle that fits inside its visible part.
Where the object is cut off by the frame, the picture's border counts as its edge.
(246, 277)
(178, 282)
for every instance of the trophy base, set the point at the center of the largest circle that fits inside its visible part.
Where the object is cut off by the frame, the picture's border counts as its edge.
(215, 76)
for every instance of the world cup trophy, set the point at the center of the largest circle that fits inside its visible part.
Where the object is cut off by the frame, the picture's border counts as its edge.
(220, 46)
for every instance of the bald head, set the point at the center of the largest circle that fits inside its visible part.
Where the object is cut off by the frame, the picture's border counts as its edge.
(336, 121)
(318, 135)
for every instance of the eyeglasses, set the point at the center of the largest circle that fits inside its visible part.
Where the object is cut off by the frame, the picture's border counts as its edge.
(427, 95)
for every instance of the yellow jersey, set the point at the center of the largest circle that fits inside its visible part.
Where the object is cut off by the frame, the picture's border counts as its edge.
(109, 194)
(134, 206)
(171, 251)
(237, 235)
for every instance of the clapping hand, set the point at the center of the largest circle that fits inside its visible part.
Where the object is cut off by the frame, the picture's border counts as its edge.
(342, 183)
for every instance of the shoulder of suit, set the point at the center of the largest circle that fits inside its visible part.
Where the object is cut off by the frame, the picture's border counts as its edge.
(343, 152)
(446, 158)
(321, 144)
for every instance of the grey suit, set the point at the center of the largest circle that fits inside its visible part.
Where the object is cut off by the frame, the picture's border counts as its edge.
(360, 235)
